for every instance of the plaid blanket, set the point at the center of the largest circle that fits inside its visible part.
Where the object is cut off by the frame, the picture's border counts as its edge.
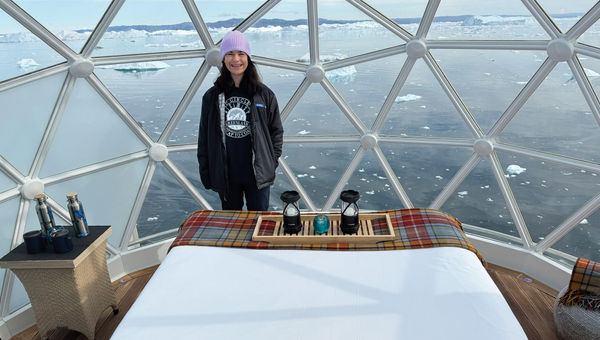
(584, 287)
(414, 228)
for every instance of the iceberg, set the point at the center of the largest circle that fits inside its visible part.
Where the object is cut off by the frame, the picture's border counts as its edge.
(27, 64)
(408, 98)
(344, 74)
(138, 67)
(514, 169)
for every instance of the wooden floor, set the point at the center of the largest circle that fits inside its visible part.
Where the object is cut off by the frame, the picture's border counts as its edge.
(530, 301)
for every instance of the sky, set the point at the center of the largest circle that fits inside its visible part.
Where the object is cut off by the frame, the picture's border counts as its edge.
(77, 14)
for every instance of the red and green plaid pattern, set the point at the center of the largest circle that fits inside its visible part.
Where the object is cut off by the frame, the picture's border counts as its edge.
(414, 228)
(584, 287)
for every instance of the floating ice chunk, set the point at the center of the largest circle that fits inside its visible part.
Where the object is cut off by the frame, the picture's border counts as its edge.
(408, 98)
(150, 219)
(521, 82)
(584, 221)
(489, 199)
(361, 170)
(303, 132)
(426, 128)
(27, 64)
(463, 193)
(439, 178)
(344, 74)
(312, 167)
(138, 67)
(372, 192)
(514, 169)
(301, 175)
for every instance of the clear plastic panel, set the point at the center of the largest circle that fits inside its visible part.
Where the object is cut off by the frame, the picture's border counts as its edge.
(565, 14)
(71, 21)
(283, 83)
(150, 91)
(24, 125)
(8, 214)
(318, 166)
(479, 202)
(591, 67)
(107, 196)
(5, 183)
(167, 203)
(222, 16)
(282, 33)
(547, 193)
(187, 163)
(317, 114)
(22, 52)
(492, 80)
(89, 132)
(407, 14)
(424, 170)
(149, 26)
(422, 108)
(345, 31)
(485, 20)
(186, 131)
(556, 119)
(376, 191)
(583, 240)
(365, 86)
(281, 184)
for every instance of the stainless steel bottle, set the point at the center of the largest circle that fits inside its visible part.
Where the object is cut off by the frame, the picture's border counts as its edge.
(45, 215)
(80, 225)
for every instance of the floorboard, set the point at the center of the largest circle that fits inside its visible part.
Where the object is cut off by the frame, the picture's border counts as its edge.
(530, 301)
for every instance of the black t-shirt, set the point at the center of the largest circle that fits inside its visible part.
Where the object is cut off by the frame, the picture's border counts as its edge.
(238, 127)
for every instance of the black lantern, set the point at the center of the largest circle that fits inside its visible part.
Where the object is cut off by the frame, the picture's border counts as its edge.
(291, 213)
(349, 218)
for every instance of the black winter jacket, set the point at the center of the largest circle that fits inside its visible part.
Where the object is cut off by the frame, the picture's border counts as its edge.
(266, 136)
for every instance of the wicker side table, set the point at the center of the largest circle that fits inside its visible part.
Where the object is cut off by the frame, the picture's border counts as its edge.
(67, 290)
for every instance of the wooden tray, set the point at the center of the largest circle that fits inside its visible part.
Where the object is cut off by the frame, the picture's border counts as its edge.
(334, 235)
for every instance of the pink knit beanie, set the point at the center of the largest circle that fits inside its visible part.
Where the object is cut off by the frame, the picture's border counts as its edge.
(234, 41)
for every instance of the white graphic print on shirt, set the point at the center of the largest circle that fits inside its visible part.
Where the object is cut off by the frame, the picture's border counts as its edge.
(237, 124)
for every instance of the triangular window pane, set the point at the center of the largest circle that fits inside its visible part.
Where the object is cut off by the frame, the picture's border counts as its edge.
(583, 240)
(485, 20)
(318, 167)
(422, 108)
(283, 83)
(345, 31)
(5, 183)
(187, 163)
(22, 52)
(90, 129)
(565, 15)
(546, 192)
(479, 202)
(24, 125)
(222, 16)
(364, 86)
(375, 189)
(149, 26)
(167, 203)
(71, 22)
(591, 67)
(282, 33)
(317, 114)
(150, 91)
(424, 170)
(488, 86)
(18, 296)
(406, 14)
(556, 119)
(186, 131)
(107, 196)
(281, 184)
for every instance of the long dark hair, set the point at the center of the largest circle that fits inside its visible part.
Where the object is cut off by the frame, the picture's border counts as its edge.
(250, 81)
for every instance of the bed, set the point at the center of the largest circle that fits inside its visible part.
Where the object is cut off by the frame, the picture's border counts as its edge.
(216, 283)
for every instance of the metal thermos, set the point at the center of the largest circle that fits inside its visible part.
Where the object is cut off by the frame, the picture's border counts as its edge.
(45, 215)
(80, 225)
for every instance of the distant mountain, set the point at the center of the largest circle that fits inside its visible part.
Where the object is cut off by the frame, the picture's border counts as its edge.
(187, 26)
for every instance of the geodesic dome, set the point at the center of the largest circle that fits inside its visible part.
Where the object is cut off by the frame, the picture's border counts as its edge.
(487, 112)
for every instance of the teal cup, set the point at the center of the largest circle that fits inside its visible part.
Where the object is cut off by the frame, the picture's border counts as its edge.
(321, 224)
